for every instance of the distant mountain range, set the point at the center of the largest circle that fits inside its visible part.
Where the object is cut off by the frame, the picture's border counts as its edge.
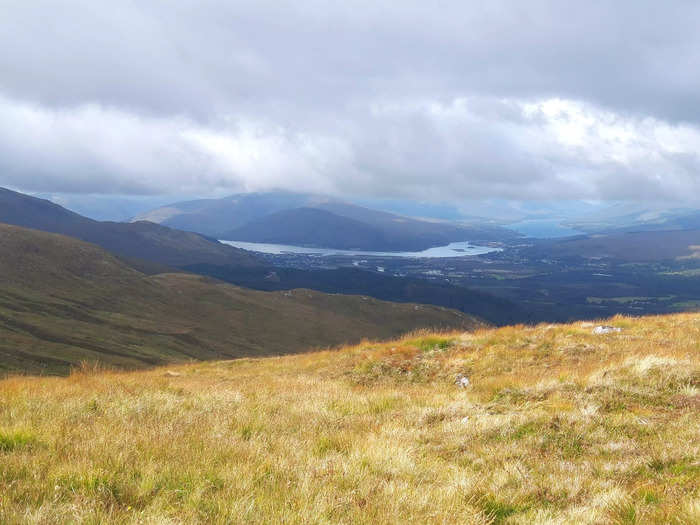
(312, 226)
(64, 301)
(313, 220)
(155, 249)
(639, 246)
(140, 240)
(636, 217)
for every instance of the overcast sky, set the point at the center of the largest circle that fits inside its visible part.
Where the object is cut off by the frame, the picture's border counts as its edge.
(412, 99)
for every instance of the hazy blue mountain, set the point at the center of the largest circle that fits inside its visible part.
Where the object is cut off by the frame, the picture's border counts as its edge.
(446, 211)
(214, 216)
(312, 227)
(118, 208)
(639, 217)
(656, 245)
(256, 217)
(417, 234)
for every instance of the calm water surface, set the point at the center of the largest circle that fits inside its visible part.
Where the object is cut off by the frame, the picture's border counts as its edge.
(455, 249)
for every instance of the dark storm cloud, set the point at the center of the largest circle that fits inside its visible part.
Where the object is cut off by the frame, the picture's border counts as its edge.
(452, 99)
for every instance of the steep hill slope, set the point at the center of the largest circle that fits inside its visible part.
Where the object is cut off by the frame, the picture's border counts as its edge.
(557, 425)
(141, 240)
(63, 301)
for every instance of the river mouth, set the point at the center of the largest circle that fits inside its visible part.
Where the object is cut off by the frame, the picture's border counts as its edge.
(455, 249)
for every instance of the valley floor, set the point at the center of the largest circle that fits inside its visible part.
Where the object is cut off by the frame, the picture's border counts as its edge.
(558, 425)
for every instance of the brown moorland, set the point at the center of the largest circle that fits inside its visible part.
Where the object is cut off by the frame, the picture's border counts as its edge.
(558, 425)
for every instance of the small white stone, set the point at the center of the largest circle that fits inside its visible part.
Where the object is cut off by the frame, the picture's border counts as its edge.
(606, 329)
(462, 381)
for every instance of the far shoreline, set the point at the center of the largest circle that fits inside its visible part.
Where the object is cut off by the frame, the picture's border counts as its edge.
(455, 249)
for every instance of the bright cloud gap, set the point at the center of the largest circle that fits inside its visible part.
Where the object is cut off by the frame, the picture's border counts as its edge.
(468, 147)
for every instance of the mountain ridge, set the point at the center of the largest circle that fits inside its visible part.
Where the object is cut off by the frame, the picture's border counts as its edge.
(229, 216)
(137, 240)
(311, 227)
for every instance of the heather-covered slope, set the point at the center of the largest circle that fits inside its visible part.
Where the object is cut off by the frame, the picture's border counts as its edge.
(63, 301)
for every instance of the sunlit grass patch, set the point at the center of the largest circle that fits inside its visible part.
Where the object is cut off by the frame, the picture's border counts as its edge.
(16, 440)
(497, 511)
(556, 425)
(432, 343)
(326, 444)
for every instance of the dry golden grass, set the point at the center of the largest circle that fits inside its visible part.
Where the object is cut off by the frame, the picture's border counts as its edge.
(558, 426)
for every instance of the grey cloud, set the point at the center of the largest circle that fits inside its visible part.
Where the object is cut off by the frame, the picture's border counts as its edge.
(362, 97)
(200, 57)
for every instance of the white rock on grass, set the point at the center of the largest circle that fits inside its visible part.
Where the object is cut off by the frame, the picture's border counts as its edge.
(603, 329)
(462, 381)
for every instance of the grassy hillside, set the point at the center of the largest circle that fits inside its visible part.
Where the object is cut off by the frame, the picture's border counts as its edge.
(63, 301)
(382, 286)
(558, 426)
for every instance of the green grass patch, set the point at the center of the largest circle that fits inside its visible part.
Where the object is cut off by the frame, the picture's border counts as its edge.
(384, 404)
(10, 441)
(497, 511)
(527, 429)
(327, 444)
(246, 433)
(675, 467)
(248, 430)
(563, 440)
(426, 344)
(514, 396)
(650, 497)
(623, 512)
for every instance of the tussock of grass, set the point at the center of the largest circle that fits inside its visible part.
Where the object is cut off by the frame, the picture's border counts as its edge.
(10, 441)
(557, 426)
